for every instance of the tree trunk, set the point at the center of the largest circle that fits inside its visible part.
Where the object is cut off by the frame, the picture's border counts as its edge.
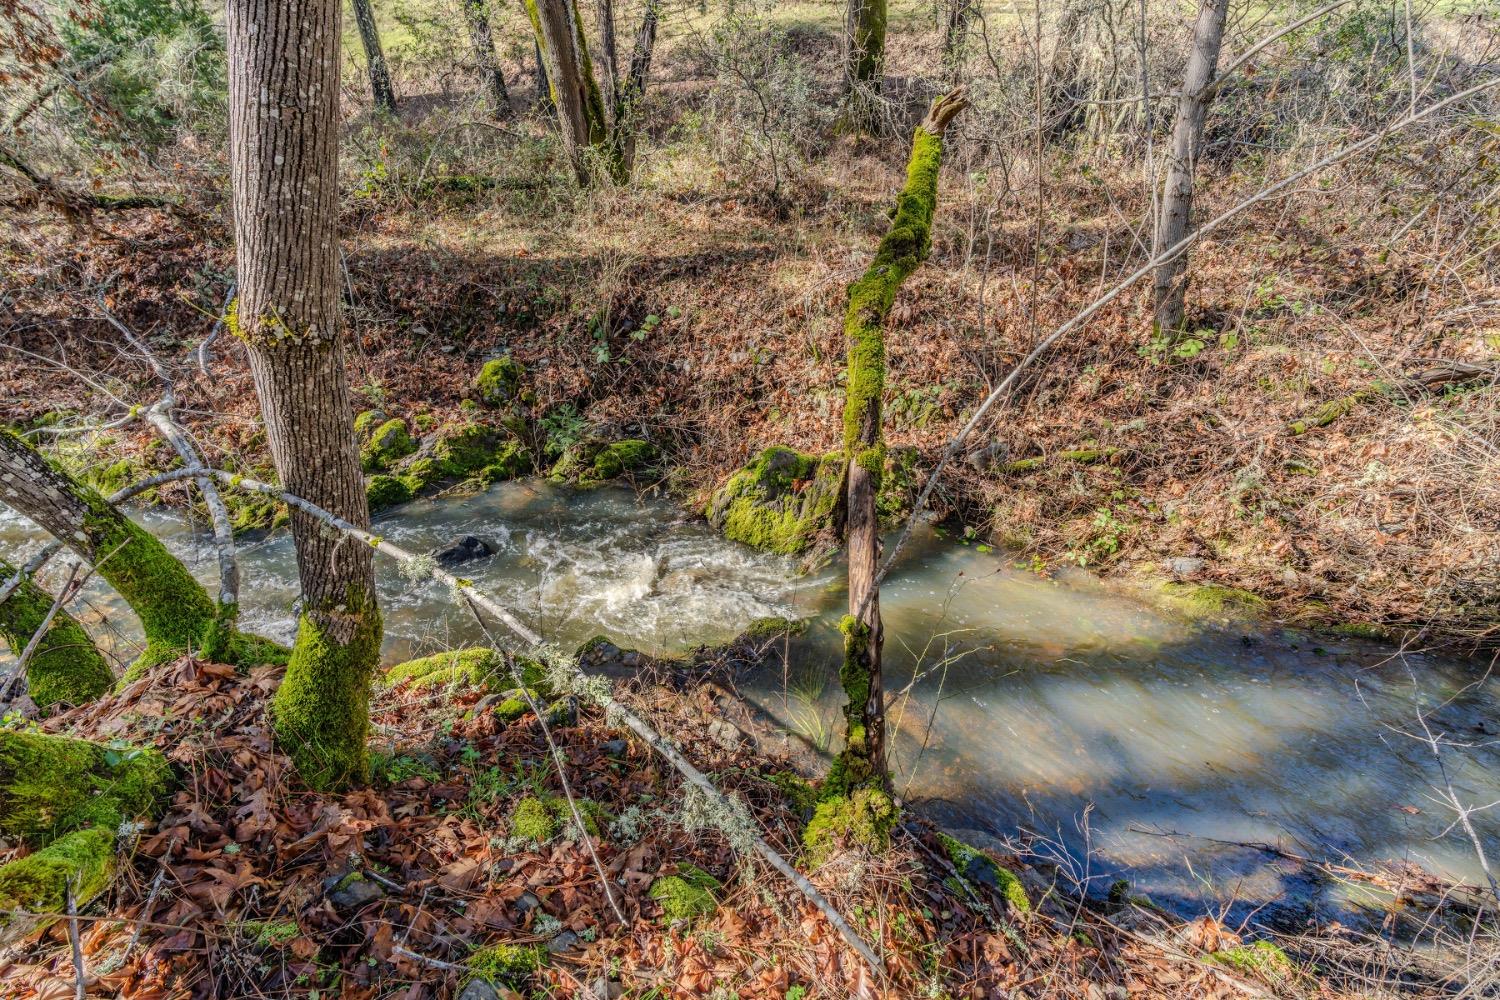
(1064, 107)
(478, 17)
(861, 764)
(65, 666)
(864, 61)
(955, 33)
(543, 82)
(176, 613)
(606, 11)
(575, 92)
(1176, 221)
(283, 159)
(635, 84)
(380, 76)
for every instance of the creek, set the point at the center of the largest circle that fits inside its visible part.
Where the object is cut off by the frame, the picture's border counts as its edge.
(1121, 740)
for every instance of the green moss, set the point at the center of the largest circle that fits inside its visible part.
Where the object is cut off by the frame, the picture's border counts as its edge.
(617, 459)
(321, 710)
(366, 423)
(780, 502)
(1078, 456)
(388, 769)
(65, 667)
(511, 461)
(1261, 960)
(977, 867)
(863, 818)
(465, 449)
(420, 473)
(798, 792)
(388, 444)
(52, 785)
(39, 883)
(270, 933)
(687, 895)
(476, 666)
(771, 627)
(384, 491)
(1213, 600)
(533, 820)
(499, 382)
(515, 705)
(853, 767)
(505, 964)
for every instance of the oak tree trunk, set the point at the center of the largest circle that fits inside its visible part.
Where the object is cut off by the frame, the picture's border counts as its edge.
(1176, 220)
(864, 61)
(606, 12)
(283, 145)
(380, 76)
(586, 135)
(482, 39)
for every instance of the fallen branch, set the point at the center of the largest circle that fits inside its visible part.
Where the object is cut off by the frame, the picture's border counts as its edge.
(743, 837)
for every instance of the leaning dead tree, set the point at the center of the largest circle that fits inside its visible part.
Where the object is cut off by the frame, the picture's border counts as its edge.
(861, 764)
(283, 166)
(477, 16)
(381, 91)
(1176, 219)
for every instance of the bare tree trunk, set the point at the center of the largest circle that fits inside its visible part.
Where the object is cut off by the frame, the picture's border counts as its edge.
(955, 33)
(864, 61)
(611, 60)
(861, 764)
(477, 14)
(176, 613)
(380, 76)
(645, 46)
(1064, 107)
(1170, 280)
(283, 149)
(575, 92)
(65, 666)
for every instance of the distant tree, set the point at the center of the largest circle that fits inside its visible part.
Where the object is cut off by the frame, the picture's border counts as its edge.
(1176, 219)
(590, 142)
(283, 160)
(1064, 101)
(864, 61)
(477, 14)
(381, 90)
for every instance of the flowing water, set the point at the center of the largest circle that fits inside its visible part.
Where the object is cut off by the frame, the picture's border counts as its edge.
(1129, 742)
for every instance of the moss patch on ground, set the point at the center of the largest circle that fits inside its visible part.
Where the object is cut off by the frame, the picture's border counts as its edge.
(864, 818)
(1261, 960)
(977, 867)
(687, 895)
(509, 965)
(1212, 601)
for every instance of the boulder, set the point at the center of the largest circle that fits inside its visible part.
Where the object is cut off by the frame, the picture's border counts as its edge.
(463, 549)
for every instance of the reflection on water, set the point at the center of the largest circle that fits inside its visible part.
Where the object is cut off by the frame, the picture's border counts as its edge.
(1056, 707)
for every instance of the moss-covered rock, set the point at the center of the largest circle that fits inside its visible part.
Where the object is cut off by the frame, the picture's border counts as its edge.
(1213, 601)
(388, 444)
(780, 502)
(687, 895)
(366, 422)
(864, 818)
(514, 704)
(384, 491)
(978, 868)
(533, 820)
(1260, 960)
(499, 382)
(771, 628)
(476, 666)
(36, 887)
(66, 666)
(510, 965)
(510, 461)
(592, 462)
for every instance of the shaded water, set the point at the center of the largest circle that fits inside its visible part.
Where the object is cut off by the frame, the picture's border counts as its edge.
(1057, 708)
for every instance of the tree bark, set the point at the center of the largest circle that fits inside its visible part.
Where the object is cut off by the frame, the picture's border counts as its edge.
(381, 91)
(864, 61)
(176, 613)
(960, 13)
(65, 667)
(1176, 220)
(580, 107)
(645, 46)
(1064, 107)
(606, 11)
(903, 248)
(480, 36)
(283, 146)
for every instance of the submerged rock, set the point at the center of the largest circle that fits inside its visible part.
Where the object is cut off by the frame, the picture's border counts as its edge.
(463, 549)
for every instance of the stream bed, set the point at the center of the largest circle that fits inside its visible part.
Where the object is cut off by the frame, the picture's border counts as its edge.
(1121, 741)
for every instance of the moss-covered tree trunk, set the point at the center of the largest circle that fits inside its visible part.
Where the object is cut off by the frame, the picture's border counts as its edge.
(477, 16)
(1176, 221)
(905, 245)
(381, 91)
(581, 117)
(65, 667)
(67, 800)
(283, 146)
(864, 61)
(176, 613)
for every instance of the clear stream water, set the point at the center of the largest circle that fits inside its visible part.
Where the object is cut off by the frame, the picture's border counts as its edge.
(1129, 741)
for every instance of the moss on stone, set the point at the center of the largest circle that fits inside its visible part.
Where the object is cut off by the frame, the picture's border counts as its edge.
(321, 710)
(686, 896)
(797, 791)
(514, 705)
(384, 491)
(509, 965)
(864, 818)
(979, 868)
(388, 444)
(511, 461)
(1213, 600)
(533, 820)
(465, 449)
(1261, 960)
(771, 627)
(476, 666)
(366, 422)
(499, 382)
(618, 459)
(781, 501)
(66, 666)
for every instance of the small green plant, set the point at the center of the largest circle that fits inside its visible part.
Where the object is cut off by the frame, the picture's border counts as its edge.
(562, 427)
